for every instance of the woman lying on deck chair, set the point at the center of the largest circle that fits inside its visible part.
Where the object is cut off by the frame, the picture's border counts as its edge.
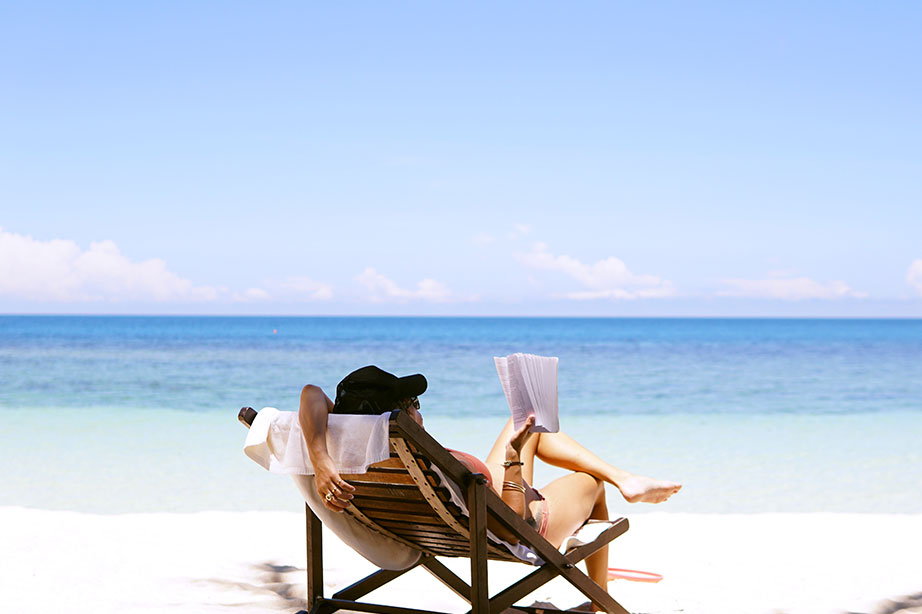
(556, 511)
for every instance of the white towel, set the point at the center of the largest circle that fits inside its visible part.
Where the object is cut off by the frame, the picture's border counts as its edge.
(587, 533)
(353, 441)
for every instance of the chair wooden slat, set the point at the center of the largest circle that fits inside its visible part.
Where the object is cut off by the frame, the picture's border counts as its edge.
(396, 479)
(431, 519)
(391, 504)
(426, 532)
(401, 490)
(397, 525)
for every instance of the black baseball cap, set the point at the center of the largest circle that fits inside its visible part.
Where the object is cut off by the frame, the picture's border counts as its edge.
(371, 390)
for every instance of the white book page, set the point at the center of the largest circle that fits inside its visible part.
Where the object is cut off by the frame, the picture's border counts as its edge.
(539, 378)
(530, 385)
(513, 388)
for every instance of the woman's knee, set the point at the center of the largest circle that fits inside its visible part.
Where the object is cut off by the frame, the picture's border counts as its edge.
(310, 395)
(590, 482)
(596, 488)
(311, 389)
(599, 487)
(312, 392)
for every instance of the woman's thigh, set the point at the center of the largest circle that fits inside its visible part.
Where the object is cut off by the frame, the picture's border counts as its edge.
(570, 500)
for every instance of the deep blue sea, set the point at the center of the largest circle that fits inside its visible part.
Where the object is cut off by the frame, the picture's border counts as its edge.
(118, 414)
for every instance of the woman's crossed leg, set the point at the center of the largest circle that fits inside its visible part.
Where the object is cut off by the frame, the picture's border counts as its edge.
(561, 450)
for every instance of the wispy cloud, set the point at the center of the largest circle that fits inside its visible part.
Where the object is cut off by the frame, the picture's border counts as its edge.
(252, 295)
(296, 289)
(305, 288)
(483, 238)
(382, 289)
(519, 230)
(61, 271)
(516, 232)
(789, 289)
(607, 278)
(914, 275)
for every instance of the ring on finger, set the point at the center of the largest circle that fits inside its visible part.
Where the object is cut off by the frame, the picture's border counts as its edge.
(329, 496)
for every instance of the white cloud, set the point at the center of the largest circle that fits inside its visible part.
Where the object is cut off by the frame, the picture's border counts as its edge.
(382, 289)
(305, 288)
(518, 230)
(296, 289)
(914, 275)
(60, 271)
(789, 289)
(608, 278)
(251, 295)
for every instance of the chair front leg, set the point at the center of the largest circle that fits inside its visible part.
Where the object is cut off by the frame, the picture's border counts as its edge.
(477, 503)
(314, 557)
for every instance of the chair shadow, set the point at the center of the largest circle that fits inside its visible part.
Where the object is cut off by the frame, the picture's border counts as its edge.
(270, 579)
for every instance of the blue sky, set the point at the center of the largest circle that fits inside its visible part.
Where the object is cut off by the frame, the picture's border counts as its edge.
(518, 158)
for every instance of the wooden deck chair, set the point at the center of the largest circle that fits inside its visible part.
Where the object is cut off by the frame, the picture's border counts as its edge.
(405, 499)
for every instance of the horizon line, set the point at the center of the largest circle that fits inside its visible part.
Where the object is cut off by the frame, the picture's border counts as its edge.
(465, 316)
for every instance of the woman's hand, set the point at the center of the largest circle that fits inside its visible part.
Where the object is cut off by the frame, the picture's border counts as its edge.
(335, 491)
(518, 439)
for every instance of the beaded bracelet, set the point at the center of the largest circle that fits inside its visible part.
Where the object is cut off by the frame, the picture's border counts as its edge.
(513, 486)
(511, 463)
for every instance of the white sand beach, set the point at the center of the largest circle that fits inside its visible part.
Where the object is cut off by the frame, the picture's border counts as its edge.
(253, 562)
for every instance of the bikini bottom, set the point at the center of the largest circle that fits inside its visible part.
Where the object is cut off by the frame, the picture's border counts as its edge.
(541, 518)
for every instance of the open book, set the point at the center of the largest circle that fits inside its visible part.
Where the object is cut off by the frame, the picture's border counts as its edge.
(530, 384)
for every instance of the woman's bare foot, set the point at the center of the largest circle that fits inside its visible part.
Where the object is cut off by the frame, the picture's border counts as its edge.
(640, 489)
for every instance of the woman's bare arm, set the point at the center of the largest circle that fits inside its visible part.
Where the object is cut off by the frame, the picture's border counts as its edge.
(312, 415)
(513, 486)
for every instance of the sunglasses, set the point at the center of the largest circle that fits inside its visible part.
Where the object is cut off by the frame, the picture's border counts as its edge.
(414, 402)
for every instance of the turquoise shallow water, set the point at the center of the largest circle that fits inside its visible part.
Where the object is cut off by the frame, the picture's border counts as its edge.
(117, 414)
